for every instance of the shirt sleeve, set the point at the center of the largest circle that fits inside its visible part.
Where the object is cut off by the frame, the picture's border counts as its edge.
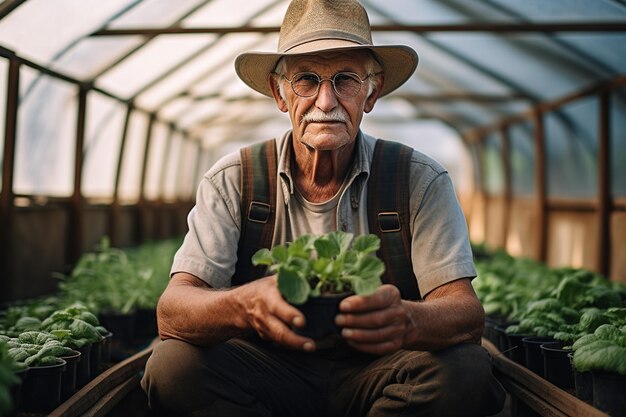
(209, 250)
(441, 251)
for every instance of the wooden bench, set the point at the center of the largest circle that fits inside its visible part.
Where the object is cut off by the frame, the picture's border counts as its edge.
(530, 391)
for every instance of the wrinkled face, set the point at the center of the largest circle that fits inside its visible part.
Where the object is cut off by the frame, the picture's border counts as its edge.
(325, 121)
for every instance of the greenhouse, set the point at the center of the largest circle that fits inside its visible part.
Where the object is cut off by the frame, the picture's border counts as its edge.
(465, 167)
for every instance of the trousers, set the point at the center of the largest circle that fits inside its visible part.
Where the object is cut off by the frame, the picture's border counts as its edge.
(256, 378)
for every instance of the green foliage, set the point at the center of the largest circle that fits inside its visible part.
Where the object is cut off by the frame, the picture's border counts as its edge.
(7, 378)
(331, 263)
(120, 280)
(604, 349)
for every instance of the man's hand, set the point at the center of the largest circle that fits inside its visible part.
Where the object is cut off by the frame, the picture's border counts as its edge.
(375, 324)
(271, 316)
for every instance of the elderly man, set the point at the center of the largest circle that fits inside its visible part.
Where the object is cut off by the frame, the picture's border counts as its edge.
(229, 348)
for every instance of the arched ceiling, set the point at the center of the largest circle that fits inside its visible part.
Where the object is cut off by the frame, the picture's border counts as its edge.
(480, 60)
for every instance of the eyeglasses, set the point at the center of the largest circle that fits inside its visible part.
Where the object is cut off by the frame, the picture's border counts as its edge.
(345, 84)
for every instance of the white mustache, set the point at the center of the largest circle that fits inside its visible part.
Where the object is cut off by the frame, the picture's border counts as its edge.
(315, 115)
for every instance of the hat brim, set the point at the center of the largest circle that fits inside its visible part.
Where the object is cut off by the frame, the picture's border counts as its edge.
(398, 62)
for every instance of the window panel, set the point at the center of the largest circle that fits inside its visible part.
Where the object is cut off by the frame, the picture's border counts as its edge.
(159, 144)
(42, 29)
(4, 78)
(618, 143)
(522, 157)
(173, 165)
(133, 157)
(492, 164)
(103, 136)
(572, 150)
(187, 182)
(46, 137)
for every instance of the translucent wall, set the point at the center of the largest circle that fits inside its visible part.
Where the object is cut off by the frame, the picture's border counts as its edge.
(522, 159)
(618, 143)
(4, 73)
(103, 136)
(571, 137)
(133, 157)
(46, 137)
(493, 180)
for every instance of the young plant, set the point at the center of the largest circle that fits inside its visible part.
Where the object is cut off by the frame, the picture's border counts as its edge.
(333, 263)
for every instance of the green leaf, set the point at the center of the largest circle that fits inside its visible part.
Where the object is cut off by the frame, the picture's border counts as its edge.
(369, 268)
(364, 286)
(280, 253)
(293, 286)
(327, 248)
(262, 257)
(366, 243)
(342, 239)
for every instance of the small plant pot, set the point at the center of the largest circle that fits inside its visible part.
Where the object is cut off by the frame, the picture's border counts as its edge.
(583, 382)
(490, 332)
(95, 359)
(320, 315)
(68, 377)
(145, 323)
(556, 365)
(534, 358)
(41, 391)
(515, 348)
(16, 389)
(123, 327)
(105, 353)
(608, 392)
(83, 369)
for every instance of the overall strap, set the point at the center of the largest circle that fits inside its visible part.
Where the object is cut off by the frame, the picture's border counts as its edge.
(258, 207)
(389, 213)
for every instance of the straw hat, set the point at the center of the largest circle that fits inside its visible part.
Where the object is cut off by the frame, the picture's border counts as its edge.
(314, 26)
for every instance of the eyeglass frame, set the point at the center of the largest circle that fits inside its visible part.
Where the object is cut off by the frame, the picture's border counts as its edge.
(332, 82)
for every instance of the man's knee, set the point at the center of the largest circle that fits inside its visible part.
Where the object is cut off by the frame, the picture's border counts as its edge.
(457, 381)
(171, 373)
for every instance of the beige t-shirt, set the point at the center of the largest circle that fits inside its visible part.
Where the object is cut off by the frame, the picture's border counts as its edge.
(440, 250)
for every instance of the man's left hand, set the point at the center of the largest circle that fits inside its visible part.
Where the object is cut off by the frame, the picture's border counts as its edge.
(376, 323)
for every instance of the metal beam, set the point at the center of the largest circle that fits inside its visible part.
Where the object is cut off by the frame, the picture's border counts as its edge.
(490, 27)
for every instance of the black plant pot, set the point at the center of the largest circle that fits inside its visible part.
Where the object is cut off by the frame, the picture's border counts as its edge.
(41, 391)
(534, 358)
(145, 323)
(95, 359)
(320, 315)
(556, 365)
(490, 332)
(83, 368)
(515, 348)
(105, 352)
(609, 390)
(16, 391)
(583, 382)
(68, 377)
(123, 327)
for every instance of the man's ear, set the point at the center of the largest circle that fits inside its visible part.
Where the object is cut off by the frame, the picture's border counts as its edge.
(280, 103)
(373, 97)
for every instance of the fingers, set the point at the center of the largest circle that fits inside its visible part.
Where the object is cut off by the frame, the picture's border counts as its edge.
(383, 297)
(374, 324)
(272, 317)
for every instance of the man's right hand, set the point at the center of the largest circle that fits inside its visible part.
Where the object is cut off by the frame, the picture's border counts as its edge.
(268, 313)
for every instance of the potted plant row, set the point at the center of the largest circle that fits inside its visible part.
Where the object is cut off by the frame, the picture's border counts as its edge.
(61, 353)
(315, 273)
(539, 315)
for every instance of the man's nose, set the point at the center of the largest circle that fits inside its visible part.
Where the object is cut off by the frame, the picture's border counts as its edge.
(326, 97)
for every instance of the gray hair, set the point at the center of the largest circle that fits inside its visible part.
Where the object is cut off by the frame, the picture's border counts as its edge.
(372, 66)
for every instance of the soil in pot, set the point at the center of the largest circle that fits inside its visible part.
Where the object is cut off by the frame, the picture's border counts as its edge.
(609, 389)
(68, 377)
(320, 313)
(41, 391)
(556, 365)
(534, 358)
